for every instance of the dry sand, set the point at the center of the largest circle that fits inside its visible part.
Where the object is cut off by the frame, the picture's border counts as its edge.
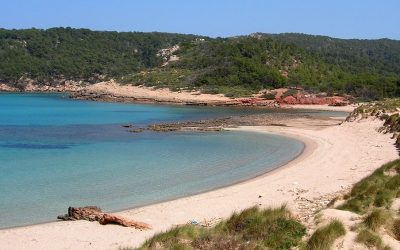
(155, 94)
(334, 158)
(347, 108)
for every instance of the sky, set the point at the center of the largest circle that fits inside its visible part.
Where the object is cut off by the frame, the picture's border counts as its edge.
(364, 19)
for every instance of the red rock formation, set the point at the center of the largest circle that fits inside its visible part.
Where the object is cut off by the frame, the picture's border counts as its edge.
(289, 100)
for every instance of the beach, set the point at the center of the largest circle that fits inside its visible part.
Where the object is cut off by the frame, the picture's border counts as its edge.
(335, 157)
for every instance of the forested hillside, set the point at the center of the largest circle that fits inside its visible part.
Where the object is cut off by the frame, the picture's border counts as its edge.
(380, 56)
(79, 53)
(233, 66)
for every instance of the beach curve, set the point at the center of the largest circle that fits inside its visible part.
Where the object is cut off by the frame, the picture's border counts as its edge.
(323, 168)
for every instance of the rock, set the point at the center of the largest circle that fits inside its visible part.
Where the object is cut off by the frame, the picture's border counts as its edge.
(115, 219)
(90, 213)
(289, 100)
(93, 213)
(127, 126)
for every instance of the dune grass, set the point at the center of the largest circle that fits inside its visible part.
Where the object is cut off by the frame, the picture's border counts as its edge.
(324, 237)
(377, 190)
(253, 228)
(376, 219)
(370, 239)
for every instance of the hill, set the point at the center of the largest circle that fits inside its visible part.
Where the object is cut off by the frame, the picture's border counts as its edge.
(235, 66)
(79, 53)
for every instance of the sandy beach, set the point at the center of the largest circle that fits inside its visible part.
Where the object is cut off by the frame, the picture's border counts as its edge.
(334, 158)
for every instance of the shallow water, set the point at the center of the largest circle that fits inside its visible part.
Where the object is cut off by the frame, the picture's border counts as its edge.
(56, 152)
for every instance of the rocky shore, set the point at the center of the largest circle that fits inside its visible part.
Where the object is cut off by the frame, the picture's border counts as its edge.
(110, 91)
(222, 124)
(114, 92)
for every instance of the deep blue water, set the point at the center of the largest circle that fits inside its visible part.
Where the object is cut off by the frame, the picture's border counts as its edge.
(56, 152)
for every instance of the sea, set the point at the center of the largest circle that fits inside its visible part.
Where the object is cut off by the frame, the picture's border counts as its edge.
(56, 152)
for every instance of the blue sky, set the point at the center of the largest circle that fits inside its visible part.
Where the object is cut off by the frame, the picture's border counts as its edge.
(337, 18)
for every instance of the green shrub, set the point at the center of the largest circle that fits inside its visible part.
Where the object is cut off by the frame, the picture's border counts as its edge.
(289, 92)
(269, 96)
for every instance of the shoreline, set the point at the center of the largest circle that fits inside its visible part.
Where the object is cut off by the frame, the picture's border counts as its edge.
(119, 93)
(276, 187)
(152, 101)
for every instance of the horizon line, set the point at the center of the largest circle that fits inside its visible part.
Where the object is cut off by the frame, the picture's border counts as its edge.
(213, 37)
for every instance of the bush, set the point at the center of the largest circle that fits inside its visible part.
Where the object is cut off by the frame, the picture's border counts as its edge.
(290, 92)
(269, 96)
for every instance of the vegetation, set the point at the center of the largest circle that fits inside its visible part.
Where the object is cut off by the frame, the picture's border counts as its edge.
(376, 219)
(251, 229)
(373, 197)
(269, 96)
(324, 237)
(79, 53)
(375, 191)
(290, 92)
(235, 66)
(370, 239)
(374, 64)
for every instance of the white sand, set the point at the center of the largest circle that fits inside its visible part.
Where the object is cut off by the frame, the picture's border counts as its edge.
(335, 158)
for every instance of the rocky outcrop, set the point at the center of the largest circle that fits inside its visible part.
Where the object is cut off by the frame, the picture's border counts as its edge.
(313, 99)
(7, 88)
(30, 85)
(92, 213)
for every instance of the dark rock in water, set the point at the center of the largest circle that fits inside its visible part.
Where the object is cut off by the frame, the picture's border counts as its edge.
(93, 213)
(127, 126)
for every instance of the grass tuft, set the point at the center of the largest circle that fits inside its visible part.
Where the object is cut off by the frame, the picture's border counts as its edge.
(369, 239)
(253, 228)
(376, 190)
(324, 237)
(376, 219)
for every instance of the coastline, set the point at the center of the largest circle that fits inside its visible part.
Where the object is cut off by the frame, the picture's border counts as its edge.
(286, 184)
(111, 91)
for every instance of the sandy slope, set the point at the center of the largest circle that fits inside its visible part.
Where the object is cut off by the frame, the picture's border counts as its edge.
(347, 108)
(157, 95)
(334, 158)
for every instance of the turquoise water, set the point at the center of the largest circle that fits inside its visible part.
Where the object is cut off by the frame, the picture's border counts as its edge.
(56, 152)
